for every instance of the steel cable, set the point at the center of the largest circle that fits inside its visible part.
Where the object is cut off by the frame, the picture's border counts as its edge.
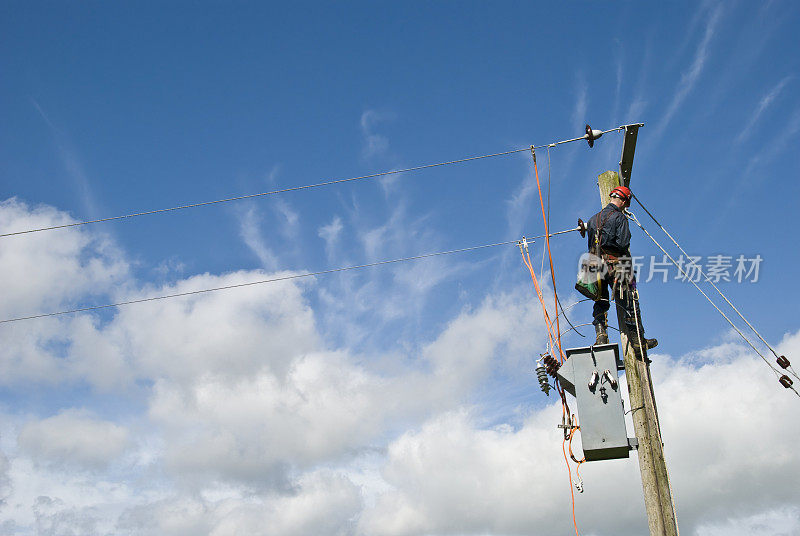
(742, 335)
(273, 280)
(293, 188)
(708, 279)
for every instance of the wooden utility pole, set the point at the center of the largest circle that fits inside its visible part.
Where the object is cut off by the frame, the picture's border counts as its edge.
(655, 480)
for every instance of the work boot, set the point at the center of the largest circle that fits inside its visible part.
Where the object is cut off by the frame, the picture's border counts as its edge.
(602, 333)
(649, 344)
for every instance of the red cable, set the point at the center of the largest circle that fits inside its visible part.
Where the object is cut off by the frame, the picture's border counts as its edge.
(548, 322)
(549, 253)
(571, 493)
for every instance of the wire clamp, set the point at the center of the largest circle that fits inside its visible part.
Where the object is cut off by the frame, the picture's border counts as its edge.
(523, 243)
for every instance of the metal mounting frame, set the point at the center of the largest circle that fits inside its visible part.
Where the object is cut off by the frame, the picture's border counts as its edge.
(628, 150)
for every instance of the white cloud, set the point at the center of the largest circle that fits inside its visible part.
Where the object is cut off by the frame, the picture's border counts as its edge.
(290, 219)
(253, 429)
(761, 107)
(249, 229)
(777, 522)
(73, 439)
(581, 101)
(330, 234)
(360, 304)
(46, 272)
(53, 518)
(519, 205)
(772, 148)
(690, 77)
(322, 407)
(253, 422)
(230, 334)
(71, 163)
(5, 479)
(322, 503)
(455, 476)
(476, 342)
(374, 145)
(265, 238)
(34, 267)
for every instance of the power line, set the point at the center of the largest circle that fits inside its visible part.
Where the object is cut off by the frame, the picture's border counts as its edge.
(274, 279)
(742, 335)
(708, 279)
(296, 188)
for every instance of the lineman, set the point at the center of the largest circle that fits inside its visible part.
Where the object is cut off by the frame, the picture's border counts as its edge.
(612, 244)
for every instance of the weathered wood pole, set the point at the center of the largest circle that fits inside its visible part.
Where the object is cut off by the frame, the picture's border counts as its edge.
(655, 479)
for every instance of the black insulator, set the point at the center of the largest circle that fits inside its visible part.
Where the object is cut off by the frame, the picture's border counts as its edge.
(786, 381)
(783, 362)
(552, 365)
(541, 375)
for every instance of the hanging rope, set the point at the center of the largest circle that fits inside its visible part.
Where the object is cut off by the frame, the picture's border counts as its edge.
(549, 254)
(566, 414)
(560, 306)
(571, 493)
(523, 248)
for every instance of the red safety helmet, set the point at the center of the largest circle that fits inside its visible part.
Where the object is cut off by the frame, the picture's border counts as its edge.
(623, 193)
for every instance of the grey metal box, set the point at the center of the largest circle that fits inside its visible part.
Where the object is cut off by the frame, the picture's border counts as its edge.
(600, 410)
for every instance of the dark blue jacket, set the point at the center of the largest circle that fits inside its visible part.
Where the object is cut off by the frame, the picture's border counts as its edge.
(615, 237)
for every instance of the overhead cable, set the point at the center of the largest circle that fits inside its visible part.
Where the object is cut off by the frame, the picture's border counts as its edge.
(546, 222)
(558, 300)
(742, 335)
(273, 280)
(708, 279)
(295, 188)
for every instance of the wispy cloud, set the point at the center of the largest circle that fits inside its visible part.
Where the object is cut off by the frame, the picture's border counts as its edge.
(581, 100)
(753, 172)
(638, 104)
(774, 146)
(330, 233)
(71, 162)
(272, 176)
(762, 106)
(290, 220)
(374, 144)
(578, 118)
(618, 89)
(518, 206)
(249, 229)
(692, 75)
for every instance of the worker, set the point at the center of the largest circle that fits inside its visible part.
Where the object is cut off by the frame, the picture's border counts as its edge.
(612, 244)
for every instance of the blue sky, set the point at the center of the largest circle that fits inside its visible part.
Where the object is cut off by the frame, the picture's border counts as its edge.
(115, 108)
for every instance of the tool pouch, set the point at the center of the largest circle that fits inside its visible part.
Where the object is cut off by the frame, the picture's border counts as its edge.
(592, 269)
